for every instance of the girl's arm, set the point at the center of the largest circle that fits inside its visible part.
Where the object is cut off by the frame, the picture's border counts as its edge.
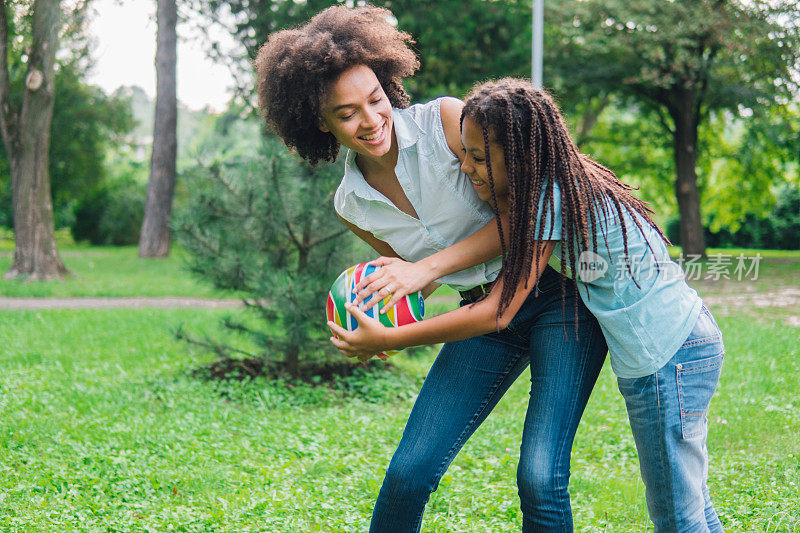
(399, 278)
(467, 321)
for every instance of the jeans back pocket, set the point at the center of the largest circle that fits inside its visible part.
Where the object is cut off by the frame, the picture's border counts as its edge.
(697, 381)
(705, 331)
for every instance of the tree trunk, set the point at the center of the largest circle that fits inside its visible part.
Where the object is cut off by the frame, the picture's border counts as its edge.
(35, 254)
(594, 108)
(686, 192)
(155, 237)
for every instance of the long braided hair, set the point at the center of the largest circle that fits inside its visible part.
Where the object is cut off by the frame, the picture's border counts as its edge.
(539, 153)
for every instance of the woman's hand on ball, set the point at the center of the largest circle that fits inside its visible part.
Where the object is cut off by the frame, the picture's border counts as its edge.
(365, 341)
(396, 277)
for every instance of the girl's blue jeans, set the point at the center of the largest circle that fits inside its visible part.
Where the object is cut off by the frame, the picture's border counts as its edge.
(667, 411)
(464, 384)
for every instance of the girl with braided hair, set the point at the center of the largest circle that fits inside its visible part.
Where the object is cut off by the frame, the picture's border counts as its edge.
(665, 346)
(337, 81)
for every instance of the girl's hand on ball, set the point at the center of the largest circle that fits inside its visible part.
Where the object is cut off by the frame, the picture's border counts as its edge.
(396, 277)
(365, 341)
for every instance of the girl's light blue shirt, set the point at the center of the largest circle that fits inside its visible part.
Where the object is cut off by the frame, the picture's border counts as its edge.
(646, 313)
(430, 173)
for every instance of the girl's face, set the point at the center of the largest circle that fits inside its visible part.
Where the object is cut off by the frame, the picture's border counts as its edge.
(358, 113)
(474, 164)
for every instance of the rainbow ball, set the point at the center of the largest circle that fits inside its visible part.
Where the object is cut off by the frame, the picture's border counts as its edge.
(407, 311)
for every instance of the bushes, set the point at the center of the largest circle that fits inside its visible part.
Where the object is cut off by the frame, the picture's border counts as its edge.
(111, 214)
(780, 229)
(785, 219)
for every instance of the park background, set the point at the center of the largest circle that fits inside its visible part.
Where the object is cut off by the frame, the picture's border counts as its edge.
(197, 391)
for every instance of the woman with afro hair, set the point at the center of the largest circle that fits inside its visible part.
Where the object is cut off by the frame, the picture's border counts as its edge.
(337, 82)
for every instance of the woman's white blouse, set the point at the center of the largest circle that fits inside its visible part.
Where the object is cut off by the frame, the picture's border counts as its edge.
(430, 173)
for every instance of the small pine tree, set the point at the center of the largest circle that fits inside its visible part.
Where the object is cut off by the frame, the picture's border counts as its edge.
(265, 225)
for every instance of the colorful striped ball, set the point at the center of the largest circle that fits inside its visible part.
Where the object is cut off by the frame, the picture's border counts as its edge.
(407, 311)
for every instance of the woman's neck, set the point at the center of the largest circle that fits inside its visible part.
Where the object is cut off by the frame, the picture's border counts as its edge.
(371, 165)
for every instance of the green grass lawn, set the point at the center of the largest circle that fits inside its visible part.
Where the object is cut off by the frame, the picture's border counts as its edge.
(108, 271)
(104, 429)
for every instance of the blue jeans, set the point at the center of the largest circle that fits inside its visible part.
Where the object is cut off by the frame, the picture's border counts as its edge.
(464, 384)
(667, 411)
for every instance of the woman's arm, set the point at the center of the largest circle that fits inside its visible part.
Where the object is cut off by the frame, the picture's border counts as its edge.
(378, 245)
(388, 254)
(399, 278)
(467, 321)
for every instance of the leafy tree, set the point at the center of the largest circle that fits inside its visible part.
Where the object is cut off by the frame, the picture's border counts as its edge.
(89, 123)
(628, 140)
(264, 224)
(70, 163)
(255, 19)
(748, 159)
(683, 59)
(252, 22)
(459, 42)
(463, 42)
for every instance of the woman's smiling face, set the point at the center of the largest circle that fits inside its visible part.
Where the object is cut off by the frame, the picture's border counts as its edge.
(474, 164)
(358, 113)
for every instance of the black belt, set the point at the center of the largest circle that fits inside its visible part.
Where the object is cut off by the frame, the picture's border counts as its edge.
(476, 292)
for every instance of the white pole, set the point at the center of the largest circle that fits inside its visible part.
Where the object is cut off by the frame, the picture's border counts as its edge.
(537, 43)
